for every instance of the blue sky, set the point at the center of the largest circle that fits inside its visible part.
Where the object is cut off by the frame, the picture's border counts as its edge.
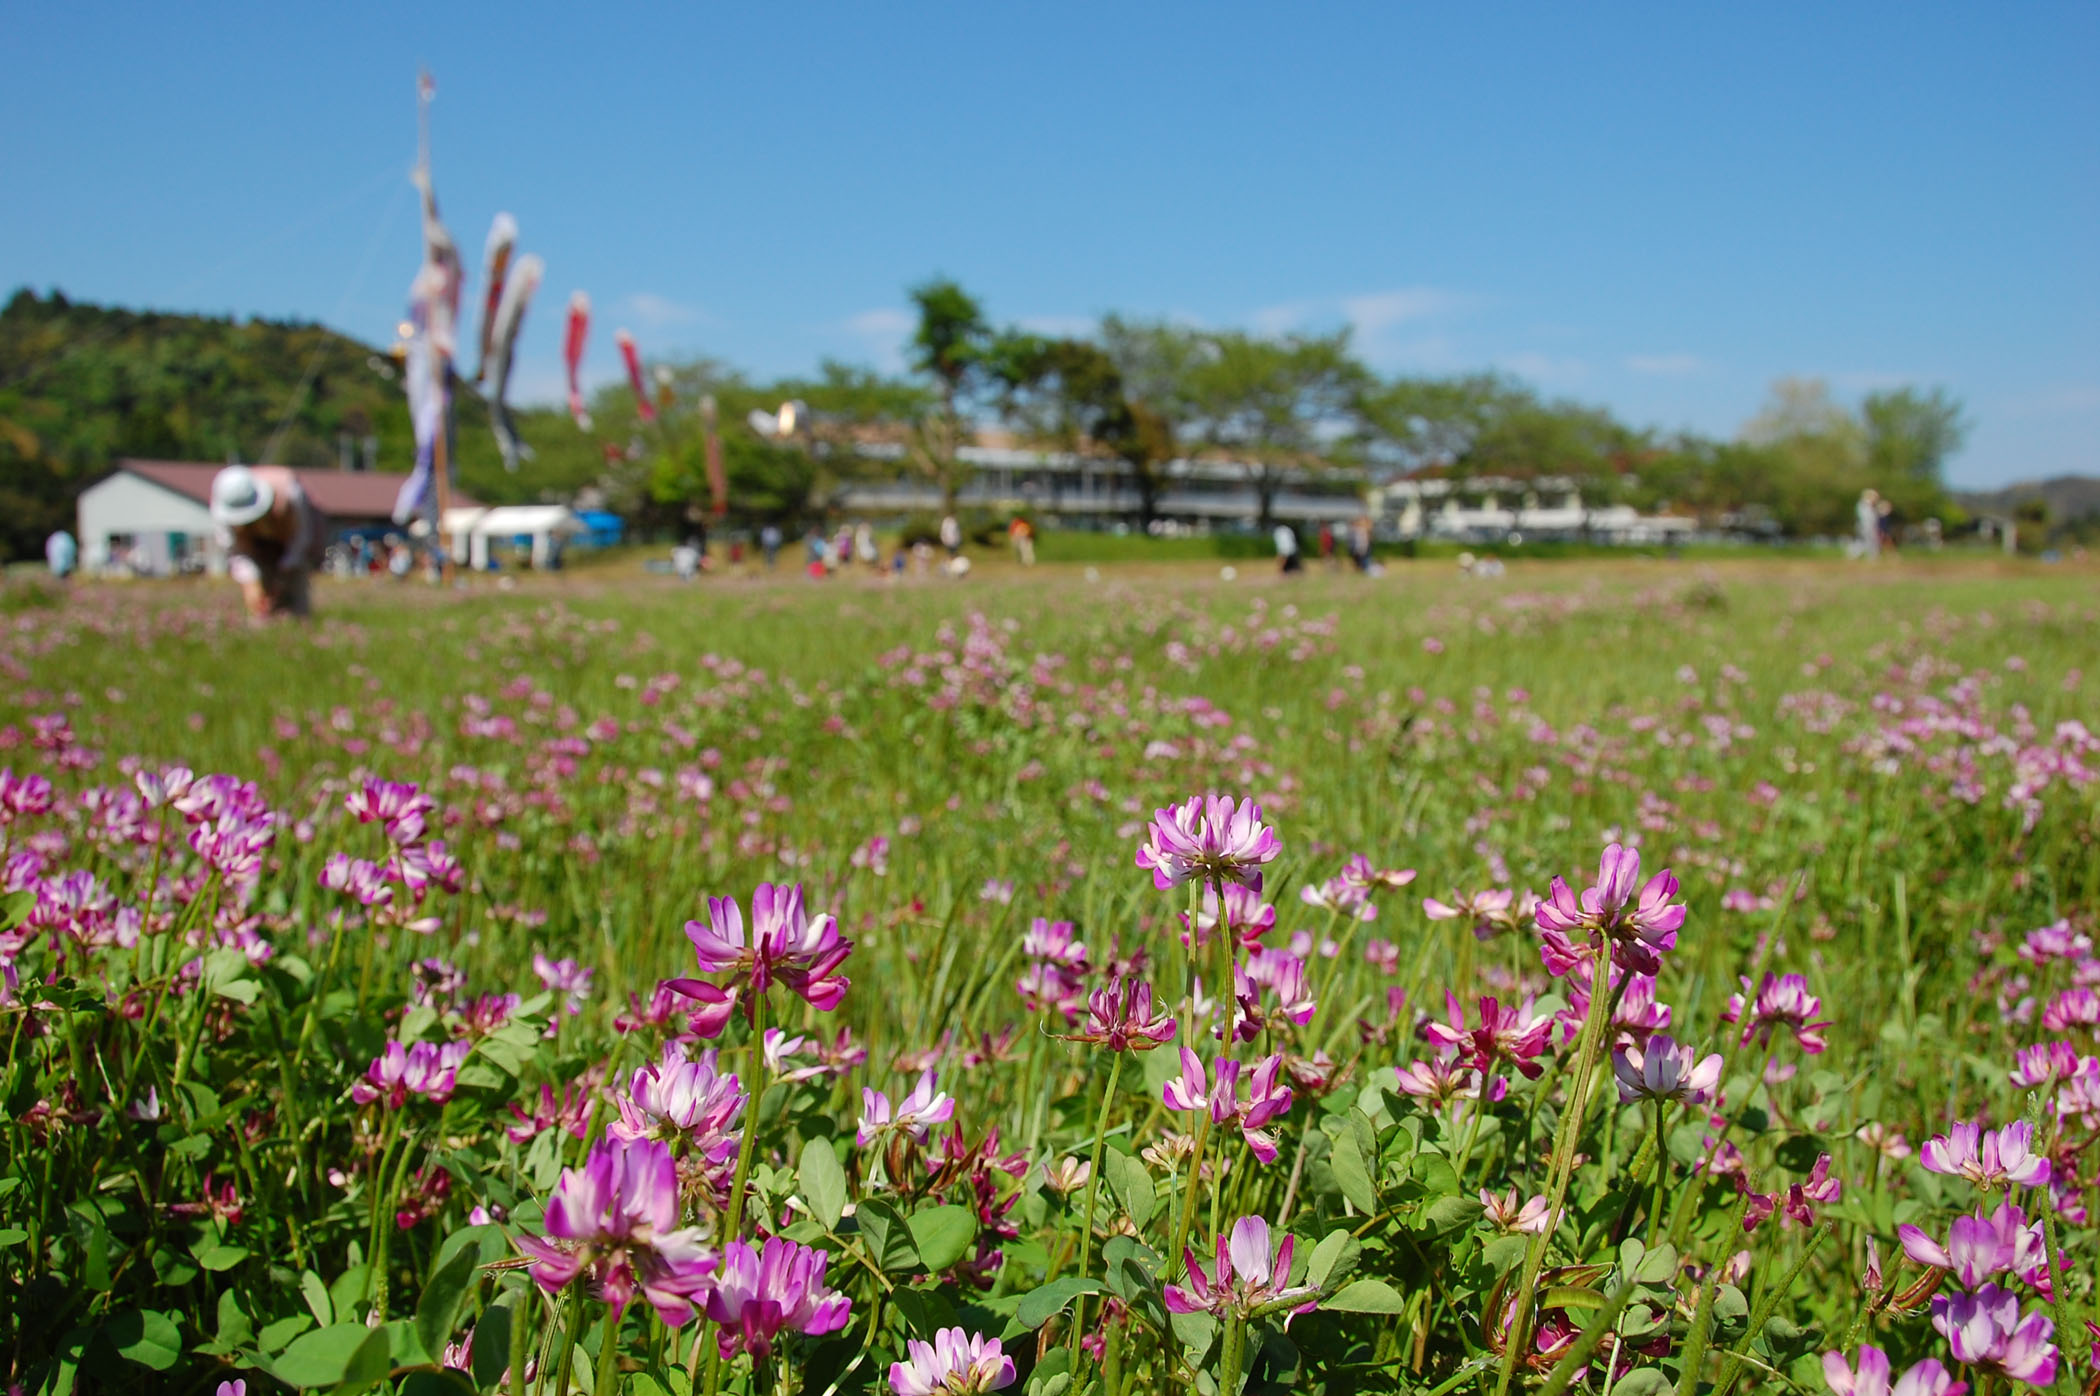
(1661, 208)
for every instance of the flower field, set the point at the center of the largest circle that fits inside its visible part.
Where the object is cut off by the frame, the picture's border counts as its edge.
(1613, 979)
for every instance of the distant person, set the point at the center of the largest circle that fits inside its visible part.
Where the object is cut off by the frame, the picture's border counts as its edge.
(897, 560)
(1326, 543)
(769, 543)
(951, 535)
(1021, 534)
(1360, 543)
(842, 548)
(813, 547)
(864, 550)
(273, 537)
(1868, 516)
(1287, 560)
(61, 554)
(685, 560)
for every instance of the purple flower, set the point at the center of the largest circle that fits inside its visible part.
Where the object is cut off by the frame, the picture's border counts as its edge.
(1640, 924)
(1871, 1378)
(915, 1115)
(1980, 1247)
(1512, 1034)
(1121, 1018)
(955, 1363)
(1247, 1278)
(1266, 1099)
(674, 1099)
(425, 1069)
(758, 1295)
(1665, 1069)
(1508, 1213)
(1211, 838)
(564, 977)
(1985, 1330)
(1988, 1159)
(1250, 917)
(785, 943)
(1781, 1001)
(615, 1220)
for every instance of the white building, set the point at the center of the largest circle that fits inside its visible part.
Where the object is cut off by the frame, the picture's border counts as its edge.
(153, 517)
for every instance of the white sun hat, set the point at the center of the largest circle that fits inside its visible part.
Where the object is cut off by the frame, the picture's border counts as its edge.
(238, 497)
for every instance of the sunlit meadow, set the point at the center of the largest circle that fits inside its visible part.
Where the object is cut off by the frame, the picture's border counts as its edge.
(1609, 978)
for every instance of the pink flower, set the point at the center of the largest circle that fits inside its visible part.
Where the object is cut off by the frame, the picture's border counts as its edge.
(1266, 1099)
(1987, 1159)
(1985, 1330)
(1507, 1214)
(564, 977)
(1121, 1018)
(915, 1115)
(1512, 1034)
(1488, 912)
(1251, 918)
(760, 1294)
(1665, 1069)
(1246, 1279)
(674, 1099)
(1640, 924)
(1928, 1378)
(1054, 941)
(425, 1069)
(1211, 838)
(1980, 1247)
(1781, 1001)
(1358, 872)
(955, 1363)
(615, 1220)
(785, 944)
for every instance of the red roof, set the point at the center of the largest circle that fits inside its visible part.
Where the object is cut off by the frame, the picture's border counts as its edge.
(343, 495)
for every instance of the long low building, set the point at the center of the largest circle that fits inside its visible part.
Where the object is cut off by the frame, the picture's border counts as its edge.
(153, 517)
(1207, 493)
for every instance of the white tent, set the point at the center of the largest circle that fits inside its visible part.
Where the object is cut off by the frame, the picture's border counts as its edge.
(471, 529)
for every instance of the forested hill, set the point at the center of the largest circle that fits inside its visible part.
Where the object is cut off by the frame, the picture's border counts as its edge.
(83, 385)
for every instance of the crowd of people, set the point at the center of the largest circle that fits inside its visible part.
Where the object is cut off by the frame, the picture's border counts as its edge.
(1332, 539)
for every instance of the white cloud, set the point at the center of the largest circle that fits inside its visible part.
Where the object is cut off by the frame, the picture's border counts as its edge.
(1381, 310)
(1665, 365)
(656, 312)
(882, 333)
(1058, 326)
(1370, 313)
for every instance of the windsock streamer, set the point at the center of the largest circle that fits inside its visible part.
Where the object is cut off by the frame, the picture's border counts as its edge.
(508, 320)
(634, 374)
(441, 264)
(503, 238)
(427, 379)
(572, 355)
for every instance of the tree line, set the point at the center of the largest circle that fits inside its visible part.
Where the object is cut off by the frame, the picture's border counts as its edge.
(81, 386)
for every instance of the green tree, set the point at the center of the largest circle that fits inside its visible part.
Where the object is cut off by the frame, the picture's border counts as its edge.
(950, 345)
(1070, 394)
(1911, 433)
(1276, 404)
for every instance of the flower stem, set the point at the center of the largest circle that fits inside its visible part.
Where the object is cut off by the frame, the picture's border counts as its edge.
(1232, 1357)
(567, 1365)
(1517, 1338)
(1662, 1176)
(1188, 1197)
(733, 1219)
(608, 1344)
(1093, 1194)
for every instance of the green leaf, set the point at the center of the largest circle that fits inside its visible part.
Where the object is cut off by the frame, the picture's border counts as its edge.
(15, 908)
(1435, 1174)
(488, 1242)
(438, 1309)
(1450, 1213)
(492, 1341)
(342, 1353)
(234, 1327)
(925, 1311)
(1352, 1174)
(217, 1257)
(1038, 1305)
(404, 1345)
(275, 1335)
(315, 1293)
(1366, 1297)
(1333, 1258)
(146, 1337)
(888, 1235)
(943, 1234)
(1131, 1182)
(445, 1382)
(823, 1182)
(1643, 1381)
